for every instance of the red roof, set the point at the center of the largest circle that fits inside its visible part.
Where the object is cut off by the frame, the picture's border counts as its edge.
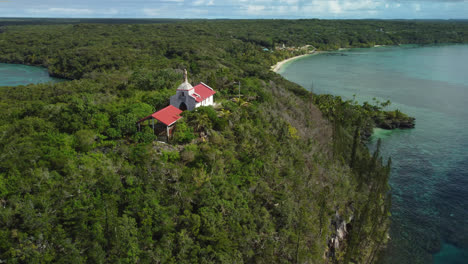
(202, 91)
(166, 115)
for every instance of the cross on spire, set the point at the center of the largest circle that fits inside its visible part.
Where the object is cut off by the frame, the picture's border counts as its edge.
(185, 75)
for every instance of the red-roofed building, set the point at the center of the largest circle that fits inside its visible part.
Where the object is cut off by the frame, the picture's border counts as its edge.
(167, 116)
(188, 97)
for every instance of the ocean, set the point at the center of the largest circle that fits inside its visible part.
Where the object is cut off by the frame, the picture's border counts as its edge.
(429, 178)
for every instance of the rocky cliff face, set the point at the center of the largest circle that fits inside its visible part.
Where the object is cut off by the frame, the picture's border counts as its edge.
(337, 241)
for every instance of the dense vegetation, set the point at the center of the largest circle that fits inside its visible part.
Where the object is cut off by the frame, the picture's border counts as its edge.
(262, 179)
(73, 50)
(366, 116)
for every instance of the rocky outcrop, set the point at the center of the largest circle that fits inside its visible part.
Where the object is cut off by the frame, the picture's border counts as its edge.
(393, 119)
(392, 123)
(340, 232)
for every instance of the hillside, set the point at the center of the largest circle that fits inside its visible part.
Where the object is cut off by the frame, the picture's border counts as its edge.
(272, 181)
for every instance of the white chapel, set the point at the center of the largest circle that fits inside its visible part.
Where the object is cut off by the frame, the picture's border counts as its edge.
(189, 97)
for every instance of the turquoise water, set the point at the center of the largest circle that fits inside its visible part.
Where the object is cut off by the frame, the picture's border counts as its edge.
(17, 74)
(430, 163)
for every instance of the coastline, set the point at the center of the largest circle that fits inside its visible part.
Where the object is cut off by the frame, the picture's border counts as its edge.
(280, 64)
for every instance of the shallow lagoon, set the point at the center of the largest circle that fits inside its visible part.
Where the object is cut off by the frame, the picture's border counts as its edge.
(430, 163)
(17, 74)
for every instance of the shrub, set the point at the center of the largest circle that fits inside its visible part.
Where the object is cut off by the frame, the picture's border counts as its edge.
(85, 139)
(183, 133)
(145, 136)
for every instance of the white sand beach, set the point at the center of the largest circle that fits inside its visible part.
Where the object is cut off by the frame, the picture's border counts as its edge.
(280, 64)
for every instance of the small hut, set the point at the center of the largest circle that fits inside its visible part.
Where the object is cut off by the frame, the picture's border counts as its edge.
(165, 120)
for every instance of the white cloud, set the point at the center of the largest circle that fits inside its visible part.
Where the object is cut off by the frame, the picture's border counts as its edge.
(203, 3)
(63, 11)
(339, 8)
(111, 11)
(334, 7)
(152, 12)
(290, 2)
(255, 9)
(361, 5)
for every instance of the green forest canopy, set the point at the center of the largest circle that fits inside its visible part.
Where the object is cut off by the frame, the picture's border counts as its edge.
(270, 183)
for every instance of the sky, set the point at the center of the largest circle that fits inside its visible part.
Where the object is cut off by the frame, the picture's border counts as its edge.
(281, 9)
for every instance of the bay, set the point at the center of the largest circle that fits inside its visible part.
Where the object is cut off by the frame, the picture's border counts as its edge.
(429, 177)
(17, 74)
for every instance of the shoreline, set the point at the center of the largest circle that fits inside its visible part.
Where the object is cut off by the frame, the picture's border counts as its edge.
(280, 64)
